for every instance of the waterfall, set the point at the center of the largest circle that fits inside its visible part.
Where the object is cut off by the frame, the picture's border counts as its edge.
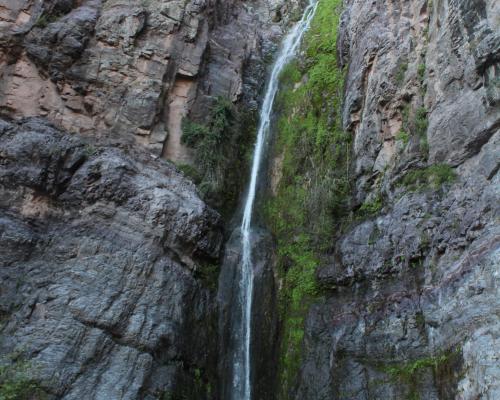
(242, 389)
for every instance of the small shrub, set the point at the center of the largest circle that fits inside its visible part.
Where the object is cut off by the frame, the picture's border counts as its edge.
(45, 19)
(220, 146)
(431, 177)
(371, 207)
(16, 382)
(421, 121)
(401, 73)
(421, 72)
(403, 136)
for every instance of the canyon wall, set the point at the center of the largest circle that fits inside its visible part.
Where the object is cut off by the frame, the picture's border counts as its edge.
(383, 205)
(410, 287)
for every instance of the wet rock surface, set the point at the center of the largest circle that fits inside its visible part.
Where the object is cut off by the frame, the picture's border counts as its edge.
(264, 331)
(411, 301)
(101, 253)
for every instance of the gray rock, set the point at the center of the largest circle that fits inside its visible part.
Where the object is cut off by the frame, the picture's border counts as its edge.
(100, 254)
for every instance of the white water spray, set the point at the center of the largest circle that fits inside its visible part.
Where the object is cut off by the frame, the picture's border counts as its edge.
(242, 389)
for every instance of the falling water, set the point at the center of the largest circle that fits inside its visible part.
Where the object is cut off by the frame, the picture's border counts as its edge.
(242, 389)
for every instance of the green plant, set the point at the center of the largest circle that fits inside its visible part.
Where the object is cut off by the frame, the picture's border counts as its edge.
(90, 150)
(421, 125)
(42, 21)
(410, 373)
(403, 136)
(209, 275)
(16, 382)
(421, 122)
(421, 71)
(431, 177)
(290, 74)
(45, 19)
(401, 72)
(426, 33)
(191, 172)
(371, 207)
(220, 145)
(374, 236)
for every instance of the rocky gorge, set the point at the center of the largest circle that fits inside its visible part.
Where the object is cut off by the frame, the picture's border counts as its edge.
(126, 129)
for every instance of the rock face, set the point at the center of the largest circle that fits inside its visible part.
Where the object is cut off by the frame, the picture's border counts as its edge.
(107, 255)
(100, 257)
(131, 70)
(412, 304)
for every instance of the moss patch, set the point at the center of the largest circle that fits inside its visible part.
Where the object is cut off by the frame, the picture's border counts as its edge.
(313, 193)
(432, 177)
(403, 136)
(410, 374)
(16, 382)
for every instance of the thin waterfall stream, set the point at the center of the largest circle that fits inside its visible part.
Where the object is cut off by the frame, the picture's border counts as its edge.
(242, 387)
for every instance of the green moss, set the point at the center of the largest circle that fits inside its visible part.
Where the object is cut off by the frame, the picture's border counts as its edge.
(371, 207)
(401, 73)
(313, 193)
(410, 373)
(432, 177)
(421, 72)
(403, 136)
(421, 122)
(290, 74)
(16, 382)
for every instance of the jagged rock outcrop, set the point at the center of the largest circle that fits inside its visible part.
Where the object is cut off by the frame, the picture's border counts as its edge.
(411, 309)
(103, 269)
(132, 70)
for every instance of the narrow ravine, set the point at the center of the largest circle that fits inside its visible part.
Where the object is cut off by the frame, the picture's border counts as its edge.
(242, 368)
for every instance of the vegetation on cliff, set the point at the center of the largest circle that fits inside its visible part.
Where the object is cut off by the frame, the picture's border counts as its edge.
(312, 193)
(220, 146)
(16, 382)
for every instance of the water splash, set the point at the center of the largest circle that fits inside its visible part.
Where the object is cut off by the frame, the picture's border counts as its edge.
(242, 389)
